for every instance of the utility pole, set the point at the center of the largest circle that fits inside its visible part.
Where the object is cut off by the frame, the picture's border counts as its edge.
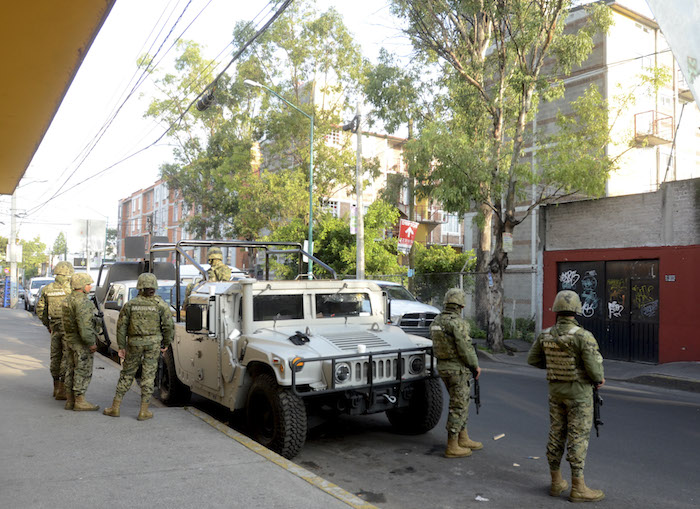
(14, 280)
(360, 241)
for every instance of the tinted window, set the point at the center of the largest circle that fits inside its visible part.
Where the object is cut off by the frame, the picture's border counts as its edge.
(331, 305)
(164, 292)
(279, 307)
(398, 292)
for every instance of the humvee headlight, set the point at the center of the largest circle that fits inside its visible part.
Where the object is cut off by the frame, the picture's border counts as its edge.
(342, 372)
(296, 364)
(416, 364)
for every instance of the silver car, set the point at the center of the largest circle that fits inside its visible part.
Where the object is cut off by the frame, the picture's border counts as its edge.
(408, 312)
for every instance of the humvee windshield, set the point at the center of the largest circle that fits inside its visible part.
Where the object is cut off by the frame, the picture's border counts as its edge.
(278, 307)
(329, 305)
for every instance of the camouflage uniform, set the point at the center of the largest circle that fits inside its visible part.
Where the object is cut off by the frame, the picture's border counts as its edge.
(78, 313)
(456, 361)
(218, 271)
(148, 325)
(456, 358)
(48, 308)
(570, 355)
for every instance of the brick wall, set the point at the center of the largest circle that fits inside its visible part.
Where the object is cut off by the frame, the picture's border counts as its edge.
(668, 217)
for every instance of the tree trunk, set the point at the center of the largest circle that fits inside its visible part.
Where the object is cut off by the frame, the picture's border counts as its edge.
(497, 268)
(483, 257)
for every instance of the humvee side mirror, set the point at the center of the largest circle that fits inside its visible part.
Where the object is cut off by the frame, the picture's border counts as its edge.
(193, 318)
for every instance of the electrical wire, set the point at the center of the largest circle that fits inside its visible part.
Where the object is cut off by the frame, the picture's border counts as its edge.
(235, 57)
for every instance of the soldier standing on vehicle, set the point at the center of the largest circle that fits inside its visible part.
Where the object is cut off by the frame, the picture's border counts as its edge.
(144, 330)
(78, 314)
(218, 271)
(574, 365)
(48, 308)
(456, 361)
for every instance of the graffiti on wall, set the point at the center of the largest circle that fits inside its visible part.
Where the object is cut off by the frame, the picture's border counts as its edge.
(589, 295)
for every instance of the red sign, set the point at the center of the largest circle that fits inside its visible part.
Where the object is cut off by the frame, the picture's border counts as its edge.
(407, 234)
(407, 230)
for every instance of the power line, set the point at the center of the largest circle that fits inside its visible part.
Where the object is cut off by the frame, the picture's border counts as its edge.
(235, 57)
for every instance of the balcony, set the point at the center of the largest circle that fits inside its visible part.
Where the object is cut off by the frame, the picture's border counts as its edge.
(652, 128)
(425, 214)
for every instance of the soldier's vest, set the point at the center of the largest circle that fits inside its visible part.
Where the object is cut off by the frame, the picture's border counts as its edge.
(55, 294)
(145, 318)
(561, 361)
(443, 341)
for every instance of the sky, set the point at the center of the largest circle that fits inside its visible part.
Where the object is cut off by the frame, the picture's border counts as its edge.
(101, 84)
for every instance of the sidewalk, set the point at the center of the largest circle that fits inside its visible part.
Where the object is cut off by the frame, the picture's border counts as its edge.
(673, 375)
(60, 459)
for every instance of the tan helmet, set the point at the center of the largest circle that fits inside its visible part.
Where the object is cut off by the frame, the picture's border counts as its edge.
(215, 254)
(147, 280)
(567, 300)
(454, 296)
(63, 269)
(80, 280)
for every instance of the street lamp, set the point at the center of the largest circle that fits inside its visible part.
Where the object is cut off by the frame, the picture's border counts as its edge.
(252, 83)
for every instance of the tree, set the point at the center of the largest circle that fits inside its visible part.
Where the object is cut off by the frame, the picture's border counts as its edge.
(33, 256)
(497, 60)
(335, 245)
(111, 243)
(243, 163)
(60, 247)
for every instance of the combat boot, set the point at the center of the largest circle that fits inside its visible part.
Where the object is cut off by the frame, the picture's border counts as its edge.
(582, 493)
(55, 387)
(70, 400)
(467, 443)
(81, 405)
(454, 450)
(113, 411)
(61, 392)
(144, 414)
(558, 485)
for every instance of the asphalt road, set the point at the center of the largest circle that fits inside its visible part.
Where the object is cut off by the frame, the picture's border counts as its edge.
(645, 456)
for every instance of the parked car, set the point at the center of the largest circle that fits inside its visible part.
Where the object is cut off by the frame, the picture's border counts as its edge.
(32, 293)
(408, 312)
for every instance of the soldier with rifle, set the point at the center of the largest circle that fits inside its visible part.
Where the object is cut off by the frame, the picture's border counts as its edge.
(456, 360)
(574, 367)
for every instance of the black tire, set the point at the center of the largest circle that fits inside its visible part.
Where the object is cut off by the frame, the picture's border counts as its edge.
(172, 390)
(423, 412)
(275, 417)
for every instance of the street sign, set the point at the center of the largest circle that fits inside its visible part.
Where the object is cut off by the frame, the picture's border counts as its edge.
(407, 234)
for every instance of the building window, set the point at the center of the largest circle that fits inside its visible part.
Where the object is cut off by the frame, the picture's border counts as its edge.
(334, 138)
(332, 207)
(452, 225)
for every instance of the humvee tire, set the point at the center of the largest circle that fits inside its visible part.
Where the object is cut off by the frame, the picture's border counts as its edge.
(172, 390)
(423, 412)
(276, 418)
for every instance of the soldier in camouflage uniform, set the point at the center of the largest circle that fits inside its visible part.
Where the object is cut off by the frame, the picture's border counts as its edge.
(144, 330)
(456, 362)
(48, 308)
(218, 271)
(79, 325)
(574, 365)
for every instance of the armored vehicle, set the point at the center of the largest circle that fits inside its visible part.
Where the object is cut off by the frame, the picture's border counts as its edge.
(275, 350)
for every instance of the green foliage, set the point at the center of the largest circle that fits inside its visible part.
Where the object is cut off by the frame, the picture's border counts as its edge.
(60, 245)
(474, 331)
(33, 255)
(442, 259)
(309, 58)
(3, 247)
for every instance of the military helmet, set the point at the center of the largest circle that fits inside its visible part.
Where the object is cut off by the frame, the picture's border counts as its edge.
(63, 269)
(215, 254)
(80, 280)
(567, 300)
(147, 280)
(454, 296)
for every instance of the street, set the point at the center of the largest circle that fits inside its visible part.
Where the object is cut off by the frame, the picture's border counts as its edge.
(644, 456)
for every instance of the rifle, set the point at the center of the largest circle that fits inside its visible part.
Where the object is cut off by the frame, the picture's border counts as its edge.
(477, 392)
(597, 403)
